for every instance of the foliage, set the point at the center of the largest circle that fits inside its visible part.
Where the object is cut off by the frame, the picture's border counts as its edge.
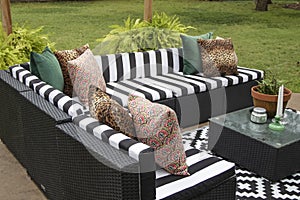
(262, 40)
(269, 85)
(139, 35)
(142, 39)
(16, 47)
(163, 21)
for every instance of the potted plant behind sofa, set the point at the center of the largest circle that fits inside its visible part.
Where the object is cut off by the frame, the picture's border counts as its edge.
(265, 94)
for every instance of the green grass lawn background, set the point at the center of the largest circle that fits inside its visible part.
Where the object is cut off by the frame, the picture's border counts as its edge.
(264, 40)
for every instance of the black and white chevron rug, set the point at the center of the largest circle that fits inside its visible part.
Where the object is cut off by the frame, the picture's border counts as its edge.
(250, 185)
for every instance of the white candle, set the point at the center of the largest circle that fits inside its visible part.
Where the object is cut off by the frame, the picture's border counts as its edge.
(279, 102)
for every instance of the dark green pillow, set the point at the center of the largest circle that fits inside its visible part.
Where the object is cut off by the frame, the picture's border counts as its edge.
(46, 67)
(191, 54)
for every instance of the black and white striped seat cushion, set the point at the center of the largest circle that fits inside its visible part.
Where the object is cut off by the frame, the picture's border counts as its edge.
(124, 66)
(136, 150)
(120, 91)
(206, 172)
(183, 85)
(54, 96)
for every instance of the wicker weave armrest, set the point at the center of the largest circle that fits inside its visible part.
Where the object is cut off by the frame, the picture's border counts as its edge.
(97, 169)
(48, 108)
(17, 85)
(100, 150)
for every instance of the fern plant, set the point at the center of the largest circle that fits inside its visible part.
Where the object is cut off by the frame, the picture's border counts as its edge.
(16, 47)
(139, 35)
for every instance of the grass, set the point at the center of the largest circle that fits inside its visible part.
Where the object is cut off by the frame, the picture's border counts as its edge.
(264, 40)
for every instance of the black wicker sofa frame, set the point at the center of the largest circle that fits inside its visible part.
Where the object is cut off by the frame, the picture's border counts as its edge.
(66, 162)
(66, 159)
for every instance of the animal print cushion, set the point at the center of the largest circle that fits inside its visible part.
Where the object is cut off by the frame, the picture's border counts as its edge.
(85, 71)
(110, 112)
(157, 126)
(218, 57)
(63, 57)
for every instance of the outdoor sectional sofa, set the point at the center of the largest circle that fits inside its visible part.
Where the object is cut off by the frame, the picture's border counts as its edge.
(71, 155)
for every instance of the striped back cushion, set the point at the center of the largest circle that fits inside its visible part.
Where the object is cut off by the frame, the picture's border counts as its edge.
(124, 66)
(54, 96)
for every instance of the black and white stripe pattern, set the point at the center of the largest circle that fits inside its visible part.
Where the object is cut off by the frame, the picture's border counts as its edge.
(118, 140)
(183, 85)
(164, 86)
(171, 85)
(120, 91)
(54, 96)
(124, 66)
(205, 170)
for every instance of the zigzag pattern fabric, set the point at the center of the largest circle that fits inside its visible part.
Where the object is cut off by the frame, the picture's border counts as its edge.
(250, 186)
(54, 96)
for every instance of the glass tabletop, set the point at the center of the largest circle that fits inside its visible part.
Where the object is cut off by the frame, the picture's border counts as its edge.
(239, 121)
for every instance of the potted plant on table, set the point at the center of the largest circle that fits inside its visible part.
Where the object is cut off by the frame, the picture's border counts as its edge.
(265, 94)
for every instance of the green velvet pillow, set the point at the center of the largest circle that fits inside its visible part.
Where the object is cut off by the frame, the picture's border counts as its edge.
(46, 67)
(191, 54)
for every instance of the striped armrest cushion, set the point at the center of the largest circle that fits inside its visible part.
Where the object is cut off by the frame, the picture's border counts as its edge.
(124, 66)
(54, 96)
(136, 150)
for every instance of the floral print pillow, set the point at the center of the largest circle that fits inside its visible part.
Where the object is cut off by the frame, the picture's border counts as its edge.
(84, 71)
(63, 57)
(157, 126)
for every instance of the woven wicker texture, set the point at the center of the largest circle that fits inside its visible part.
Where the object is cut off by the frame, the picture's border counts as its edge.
(89, 167)
(49, 109)
(265, 160)
(17, 85)
(225, 191)
(11, 121)
(40, 136)
(67, 162)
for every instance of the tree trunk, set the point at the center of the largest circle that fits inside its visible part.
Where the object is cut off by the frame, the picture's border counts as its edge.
(6, 16)
(148, 10)
(262, 5)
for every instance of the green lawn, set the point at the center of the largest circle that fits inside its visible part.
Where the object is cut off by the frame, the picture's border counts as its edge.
(263, 40)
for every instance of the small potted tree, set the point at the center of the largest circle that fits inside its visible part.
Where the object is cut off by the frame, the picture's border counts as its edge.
(265, 94)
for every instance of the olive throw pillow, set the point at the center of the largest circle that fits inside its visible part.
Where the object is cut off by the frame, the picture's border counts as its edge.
(84, 71)
(191, 53)
(110, 112)
(63, 57)
(46, 67)
(156, 125)
(218, 57)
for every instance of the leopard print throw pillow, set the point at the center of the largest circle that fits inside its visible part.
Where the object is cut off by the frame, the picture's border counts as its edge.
(110, 112)
(218, 57)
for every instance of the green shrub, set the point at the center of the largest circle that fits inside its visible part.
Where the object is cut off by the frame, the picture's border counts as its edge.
(139, 35)
(16, 47)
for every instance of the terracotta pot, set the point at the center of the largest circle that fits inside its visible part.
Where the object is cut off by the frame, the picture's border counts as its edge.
(269, 102)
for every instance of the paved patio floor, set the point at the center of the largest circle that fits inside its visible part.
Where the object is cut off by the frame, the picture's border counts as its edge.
(16, 185)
